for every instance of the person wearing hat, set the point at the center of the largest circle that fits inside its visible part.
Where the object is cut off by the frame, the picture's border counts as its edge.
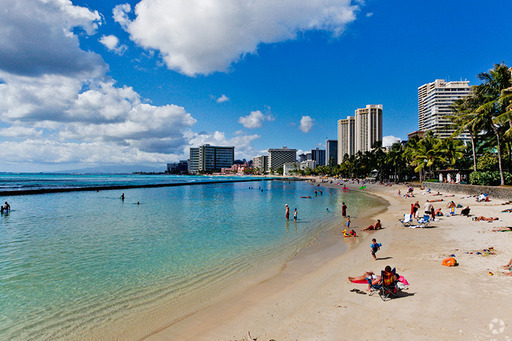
(287, 214)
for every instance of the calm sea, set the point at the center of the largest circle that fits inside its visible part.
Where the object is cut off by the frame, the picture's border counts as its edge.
(88, 264)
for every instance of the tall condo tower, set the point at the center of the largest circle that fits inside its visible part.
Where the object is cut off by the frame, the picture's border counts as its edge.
(346, 137)
(359, 132)
(278, 157)
(208, 158)
(331, 151)
(434, 105)
(368, 127)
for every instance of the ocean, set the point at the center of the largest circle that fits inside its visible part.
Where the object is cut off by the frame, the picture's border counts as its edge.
(83, 264)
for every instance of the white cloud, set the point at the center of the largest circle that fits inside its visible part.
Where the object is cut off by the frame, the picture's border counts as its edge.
(36, 38)
(222, 99)
(390, 140)
(306, 124)
(369, 14)
(254, 120)
(111, 42)
(198, 37)
(120, 14)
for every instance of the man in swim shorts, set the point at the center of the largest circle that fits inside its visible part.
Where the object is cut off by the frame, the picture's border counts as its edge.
(287, 212)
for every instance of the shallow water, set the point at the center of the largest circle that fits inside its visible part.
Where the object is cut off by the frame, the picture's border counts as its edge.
(75, 263)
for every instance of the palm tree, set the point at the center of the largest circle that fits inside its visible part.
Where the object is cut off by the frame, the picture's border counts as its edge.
(494, 109)
(395, 158)
(452, 150)
(464, 119)
(426, 153)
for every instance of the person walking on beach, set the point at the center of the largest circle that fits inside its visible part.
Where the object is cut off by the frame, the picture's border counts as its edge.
(287, 212)
(375, 247)
(428, 208)
(343, 209)
(295, 215)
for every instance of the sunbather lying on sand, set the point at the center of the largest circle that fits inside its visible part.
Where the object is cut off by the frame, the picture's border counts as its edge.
(507, 210)
(376, 226)
(482, 218)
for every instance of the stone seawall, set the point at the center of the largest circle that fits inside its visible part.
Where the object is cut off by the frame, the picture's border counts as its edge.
(493, 191)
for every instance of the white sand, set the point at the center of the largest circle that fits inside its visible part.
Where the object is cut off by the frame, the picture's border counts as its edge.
(311, 298)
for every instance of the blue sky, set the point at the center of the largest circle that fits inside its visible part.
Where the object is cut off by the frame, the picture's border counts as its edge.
(92, 83)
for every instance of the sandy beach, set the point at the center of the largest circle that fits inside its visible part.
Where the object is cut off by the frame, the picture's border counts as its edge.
(311, 298)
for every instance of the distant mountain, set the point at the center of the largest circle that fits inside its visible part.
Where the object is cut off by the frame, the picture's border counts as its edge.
(124, 169)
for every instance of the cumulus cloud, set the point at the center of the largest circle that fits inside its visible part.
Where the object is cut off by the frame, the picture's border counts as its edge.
(58, 105)
(306, 124)
(255, 119)
(222, 99)
(111, 42)
(36, 38)
(228, 29)
(388, 141)
(369, 14)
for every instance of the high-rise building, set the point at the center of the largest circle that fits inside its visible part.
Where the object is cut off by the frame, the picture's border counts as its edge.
(278, 157)
(346, 137)
(331, 151)
(193, 164)
(368, 127)
(434, 105)
(359, 132)
(261, 162)
(318, 155)
(208, 158)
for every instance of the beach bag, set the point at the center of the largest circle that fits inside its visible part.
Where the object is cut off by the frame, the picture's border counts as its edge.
(450, 261)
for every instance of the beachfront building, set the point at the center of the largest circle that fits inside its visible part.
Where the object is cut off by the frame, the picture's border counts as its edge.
(261, 162)
(359, 132)
(302, 157)
(311, 164)
(346, 137)
(208, 158)
(434, 106)
(278, 157)
(318, 155)
(290, 168)
(331, 151)
(368, 127)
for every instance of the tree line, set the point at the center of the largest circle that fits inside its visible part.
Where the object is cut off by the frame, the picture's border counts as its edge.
(485, 116)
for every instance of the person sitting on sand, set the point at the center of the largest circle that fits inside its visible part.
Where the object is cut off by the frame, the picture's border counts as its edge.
(465, 211)
(438, 212)
(370, 276)
(482, 218)
(376, 226)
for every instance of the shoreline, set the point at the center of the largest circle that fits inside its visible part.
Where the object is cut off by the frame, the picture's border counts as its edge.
(442, 303)
(329, 245)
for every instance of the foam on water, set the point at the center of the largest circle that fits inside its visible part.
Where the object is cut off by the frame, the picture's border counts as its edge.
(73, 264)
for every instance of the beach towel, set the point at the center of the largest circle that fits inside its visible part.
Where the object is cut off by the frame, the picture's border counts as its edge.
(450, 261)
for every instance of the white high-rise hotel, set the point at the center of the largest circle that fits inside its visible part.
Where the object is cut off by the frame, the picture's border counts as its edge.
(359, 132)
(434, 105)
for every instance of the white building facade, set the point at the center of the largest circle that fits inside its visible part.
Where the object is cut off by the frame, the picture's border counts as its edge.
(434, 105)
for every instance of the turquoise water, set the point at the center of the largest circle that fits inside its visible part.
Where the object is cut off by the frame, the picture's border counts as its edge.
(74, 264)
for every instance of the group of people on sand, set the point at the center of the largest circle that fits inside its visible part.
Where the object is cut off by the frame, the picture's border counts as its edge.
(5, 208)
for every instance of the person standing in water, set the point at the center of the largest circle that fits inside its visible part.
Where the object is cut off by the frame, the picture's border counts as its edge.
(295, 215)
(7, 207)
(287, 212)
(122, 196)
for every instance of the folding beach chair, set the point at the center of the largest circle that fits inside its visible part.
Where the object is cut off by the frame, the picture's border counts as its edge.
(407, 221)
(387, 288)
(423, 222)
